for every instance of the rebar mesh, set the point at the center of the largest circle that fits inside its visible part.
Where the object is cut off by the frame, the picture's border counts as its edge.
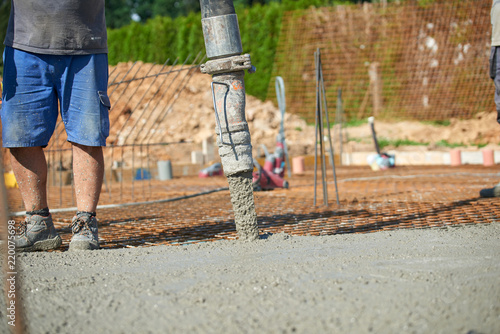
(396, 61)
(404, 197)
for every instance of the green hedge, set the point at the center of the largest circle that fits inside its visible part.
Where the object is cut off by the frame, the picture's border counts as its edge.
(163, 38)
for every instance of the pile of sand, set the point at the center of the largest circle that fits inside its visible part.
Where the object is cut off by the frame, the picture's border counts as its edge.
(188, 116)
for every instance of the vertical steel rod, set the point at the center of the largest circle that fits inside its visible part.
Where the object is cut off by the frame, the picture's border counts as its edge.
(321, 141)
(332, 153)
(316, 129)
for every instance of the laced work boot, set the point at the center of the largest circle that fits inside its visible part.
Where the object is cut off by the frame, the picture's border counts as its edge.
(84, 228)
(37, 233)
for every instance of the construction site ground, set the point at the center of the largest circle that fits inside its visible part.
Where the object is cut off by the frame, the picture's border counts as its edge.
(407, 250)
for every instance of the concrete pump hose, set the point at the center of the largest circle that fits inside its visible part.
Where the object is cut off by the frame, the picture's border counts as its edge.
(211, 8)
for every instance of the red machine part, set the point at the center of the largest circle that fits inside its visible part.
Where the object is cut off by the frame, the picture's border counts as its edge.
(266, 179)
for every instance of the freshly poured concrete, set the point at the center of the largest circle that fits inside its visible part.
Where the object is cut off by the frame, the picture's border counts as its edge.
(403, 281)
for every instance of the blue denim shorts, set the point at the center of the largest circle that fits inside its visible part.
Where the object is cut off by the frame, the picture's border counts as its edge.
(35, 84)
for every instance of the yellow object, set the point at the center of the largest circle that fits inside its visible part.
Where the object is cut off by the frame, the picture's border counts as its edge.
(10, 180)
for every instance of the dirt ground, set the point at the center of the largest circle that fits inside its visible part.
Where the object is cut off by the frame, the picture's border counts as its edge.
(191, 119)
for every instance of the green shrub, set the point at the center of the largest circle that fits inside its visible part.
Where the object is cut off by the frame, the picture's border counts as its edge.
(444, 143)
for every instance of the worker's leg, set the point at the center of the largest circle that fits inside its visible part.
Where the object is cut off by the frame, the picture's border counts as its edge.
(29, 114)
(88, 170)
(30, 168)
(37, 232)
(84, 109)
(495, 75)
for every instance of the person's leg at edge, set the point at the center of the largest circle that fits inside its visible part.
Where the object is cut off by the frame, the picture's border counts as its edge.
(495, 76)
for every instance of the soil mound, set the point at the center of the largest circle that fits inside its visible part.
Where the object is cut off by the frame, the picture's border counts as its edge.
(186, 116)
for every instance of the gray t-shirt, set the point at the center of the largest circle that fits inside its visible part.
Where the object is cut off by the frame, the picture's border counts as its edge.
(495, 22)
(63, 27)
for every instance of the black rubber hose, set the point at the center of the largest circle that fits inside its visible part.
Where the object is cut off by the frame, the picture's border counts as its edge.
(211, 8)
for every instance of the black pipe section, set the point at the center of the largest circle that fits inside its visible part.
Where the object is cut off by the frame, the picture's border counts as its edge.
(371, 120)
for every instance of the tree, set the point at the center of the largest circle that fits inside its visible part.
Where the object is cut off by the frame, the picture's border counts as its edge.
(147, 9)
(118, 13)
(250, 3)
(121, 12)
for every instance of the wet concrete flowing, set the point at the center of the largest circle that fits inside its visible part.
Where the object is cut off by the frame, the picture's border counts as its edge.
(241, 189)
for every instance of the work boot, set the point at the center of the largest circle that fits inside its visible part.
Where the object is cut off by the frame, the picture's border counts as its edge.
(490, 192)
(37, 233)
(84, 228)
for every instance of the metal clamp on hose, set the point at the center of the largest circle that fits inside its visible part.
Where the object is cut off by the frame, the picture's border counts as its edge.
(229, 64)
